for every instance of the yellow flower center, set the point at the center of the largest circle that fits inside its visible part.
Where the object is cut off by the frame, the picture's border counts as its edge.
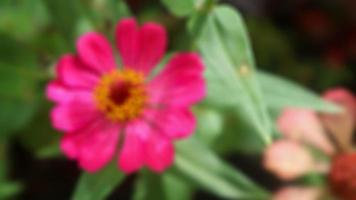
(121, 95)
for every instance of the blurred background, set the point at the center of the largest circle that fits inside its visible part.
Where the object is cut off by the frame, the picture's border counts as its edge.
(312, 42)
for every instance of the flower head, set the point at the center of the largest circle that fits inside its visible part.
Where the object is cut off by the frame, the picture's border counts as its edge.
(105, 107)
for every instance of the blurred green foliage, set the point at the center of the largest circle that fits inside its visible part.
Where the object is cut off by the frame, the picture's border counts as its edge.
(237, 116)
(98, 186)
(152, 186)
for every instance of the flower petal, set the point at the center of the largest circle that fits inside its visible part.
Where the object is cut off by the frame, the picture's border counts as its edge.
(342, 97)
(131, 157)
(127, 41)
(97, 139)
(144, 145)
(152, 41)
(304, 125)
(72, 72)
(288, 159)
(140, 49)
(298, 193)
(175, 123)
(70, 145)
(74, 114)
(71, 142)
(95, 51)
(58, 92)
(341, 125)
(98, 149)
(181, 83)
(159, 152)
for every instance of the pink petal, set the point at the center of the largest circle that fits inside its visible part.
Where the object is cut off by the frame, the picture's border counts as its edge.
(342, 97)
(298, 193)
(70, 145)
(72, 72)
(175, 123)
(127, 41)
(74, 114)
(98, 149)
(304, 125)
(93, 146)
(288, 159)
(159, 152)
(144, 145)
(131, 157)
(57, 92)
(60, 93)
(95, 51)
(181, 83)
(341, 125)
(152, 41)
(140, 49)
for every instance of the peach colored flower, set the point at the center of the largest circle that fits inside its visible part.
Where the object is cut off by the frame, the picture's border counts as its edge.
(304, 125)
(288, 159)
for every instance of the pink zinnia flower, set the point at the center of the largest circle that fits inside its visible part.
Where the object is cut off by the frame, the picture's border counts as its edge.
(106, 108)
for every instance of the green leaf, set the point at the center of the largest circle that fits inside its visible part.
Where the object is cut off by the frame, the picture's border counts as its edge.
(23, 19)
(210, 125)
(165, 186)
(48, 151)
(238, 136)
(118, 9)
(15, 53)
(280, 93)
(14, 115)
(104, 14)
(196, 23)
(43, 140)
(149, 187)
(180, 8)
(17, 86)
(84, 25)
(198, 164)
(64, 15)
(8, 190)
(176, 188)
(99, 185)
(230, 72)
